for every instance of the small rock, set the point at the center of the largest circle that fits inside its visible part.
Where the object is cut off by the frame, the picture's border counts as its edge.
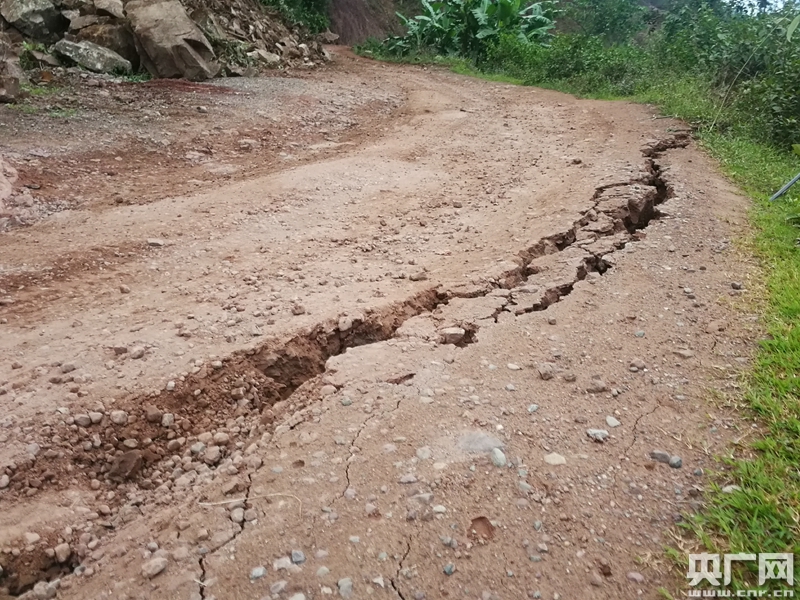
(408, 478)
(675, 462)
(596, 386)
(237, 515)
(546, 371)
(660, 456)
(683, 353)
(639, 334)
(532, 408)
(298, 596)
(555, 459)
(124, 289)
(32, 538)
(449, 569)
(258, 573)
(612, 422)
(68, 367)
(33, 449)
(423, 453)
(598, 435)
(345, 586)
(282, 564)
(635, 577)
(137, 352)
(323, 571)
(45, 590)
(498, 457)
(513, 367)
(83, 420)
(155, 242)
(119, 417)
(298, 557)
(729, 489)
(4, 481)
(278, 587)
(595, 579)
(63, 552)
(637, 365)
(452, 335)
(736, 285)
(153, 567)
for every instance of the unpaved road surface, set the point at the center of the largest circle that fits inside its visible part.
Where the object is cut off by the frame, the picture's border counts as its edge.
(372, 332)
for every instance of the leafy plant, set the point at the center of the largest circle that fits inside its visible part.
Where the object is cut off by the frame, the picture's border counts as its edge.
(467, 28)
(312, 14)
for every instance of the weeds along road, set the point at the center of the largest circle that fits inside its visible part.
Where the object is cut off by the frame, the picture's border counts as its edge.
(377, 331)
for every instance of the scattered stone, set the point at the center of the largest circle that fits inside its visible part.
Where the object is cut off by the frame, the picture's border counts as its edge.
(532, 408)
(675, 462)
(125, 466)
(498, 457)
(33, 449)
(598, 435)
(449, 569)
(612, 422)
(513, 367)
(635, 577)
(452, 335)
(298, 596)
(595, 579)
(154, 567)
(546, 371)
(729, 489)
(137, 352)
(639, 334)
(345, 586)
(68, 367)
(423, 453)
(596, 386)
(32, 538)
(408, 478)
(124, 289)
(63, 552)
(237, 515)
(637, 365)
(83, 420)
(323, 571)
(683, 353)
(282, 564)
(278, 587)
(4, 481)
(152, 414)
(555, 459)
(119, 417)
(298, 557)
(258, 573)
(45, 590)
(737, 285)
(660, 456)
(93, 57)
(327, 390)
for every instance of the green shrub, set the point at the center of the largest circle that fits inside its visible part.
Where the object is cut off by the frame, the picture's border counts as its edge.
(312, 14)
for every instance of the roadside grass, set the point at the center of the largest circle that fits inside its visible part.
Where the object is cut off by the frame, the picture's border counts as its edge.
(763, 515)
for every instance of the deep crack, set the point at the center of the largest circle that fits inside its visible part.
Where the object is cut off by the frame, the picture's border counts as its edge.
(400, 567)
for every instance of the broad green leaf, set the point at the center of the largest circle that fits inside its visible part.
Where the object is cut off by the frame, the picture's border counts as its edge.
(792, 27)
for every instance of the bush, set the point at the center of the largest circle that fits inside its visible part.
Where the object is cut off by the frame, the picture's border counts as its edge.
(312, 14)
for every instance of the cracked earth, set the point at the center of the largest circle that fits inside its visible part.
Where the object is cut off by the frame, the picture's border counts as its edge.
(483, 343)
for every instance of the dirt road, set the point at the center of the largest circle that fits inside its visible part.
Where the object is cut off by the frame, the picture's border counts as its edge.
(372, 332)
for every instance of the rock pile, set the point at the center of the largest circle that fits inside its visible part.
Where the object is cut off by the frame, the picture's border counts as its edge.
(167, 38)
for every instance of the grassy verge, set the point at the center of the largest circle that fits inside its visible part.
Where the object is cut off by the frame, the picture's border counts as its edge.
(764, 515)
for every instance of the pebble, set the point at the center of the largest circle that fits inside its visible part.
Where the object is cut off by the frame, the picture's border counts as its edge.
(639, 334)
(62, 552)
(423, 453)
(736, 285)
(32, 538)
(660, 456)
(635, 577)
(408, 478)
(278, 586)
(68, 367)
(137, 352)
(258, 573)
(345, 586)
(33, 449)
(683, 353)
(498, 457)
(596, 386)
(153, 567)
(532, 408)
(449, 569)
(555, 459)
(4, 481)
(124, 289)
(283, 563)
(298, 596)
(119, 417)
(637, 364)
(675, 462)
(237, 515)
(298, 557)
(612, 422)
(595, 579)
(546, 371)
(354, 539)
(323, 571)
(452, 335)
(598, 435)
(513, 367)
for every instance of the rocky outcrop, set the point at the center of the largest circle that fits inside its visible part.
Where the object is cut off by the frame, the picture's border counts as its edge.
(93, 57)
(11, 75)
(169, 43)
(37, 19)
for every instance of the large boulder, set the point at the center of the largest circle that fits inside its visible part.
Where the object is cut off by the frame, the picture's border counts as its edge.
(38, 19)
(169, 43)
(117, 36)
(93, 57)
(111, 8)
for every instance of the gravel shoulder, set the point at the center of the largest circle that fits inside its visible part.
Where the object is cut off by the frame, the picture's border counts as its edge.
(441, 350)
